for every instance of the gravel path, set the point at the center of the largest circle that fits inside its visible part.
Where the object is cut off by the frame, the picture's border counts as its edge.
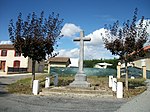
(30, 103)
(140, 103)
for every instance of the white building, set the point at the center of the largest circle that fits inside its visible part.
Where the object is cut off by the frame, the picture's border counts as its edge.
(102, 65)
(11, 61)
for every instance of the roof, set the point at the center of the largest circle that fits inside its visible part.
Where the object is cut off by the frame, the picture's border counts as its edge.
(6, 46)
(147, 47)
(59, 59)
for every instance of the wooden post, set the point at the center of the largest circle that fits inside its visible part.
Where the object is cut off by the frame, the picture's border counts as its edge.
(144, 69)
(118, 70)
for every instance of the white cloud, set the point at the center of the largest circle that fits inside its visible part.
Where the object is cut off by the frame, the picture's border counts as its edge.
(96, 37)
(93, 49)
(73, 53)
(6, 42)
(97, 52)
(69, 30)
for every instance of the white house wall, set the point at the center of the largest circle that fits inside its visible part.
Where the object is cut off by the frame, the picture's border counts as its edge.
(138, 63)
(58, 65)
(10, 58)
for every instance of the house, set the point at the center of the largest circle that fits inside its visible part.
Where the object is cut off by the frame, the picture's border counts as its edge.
(102, 65)
(58, 62)
(138, 61)
(146, 59)
(12, 61)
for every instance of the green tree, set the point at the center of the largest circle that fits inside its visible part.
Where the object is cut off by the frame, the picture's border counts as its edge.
(36, 37)
(126, 40)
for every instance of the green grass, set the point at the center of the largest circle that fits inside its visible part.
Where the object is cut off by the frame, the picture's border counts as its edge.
(136, 87)
(23, 86)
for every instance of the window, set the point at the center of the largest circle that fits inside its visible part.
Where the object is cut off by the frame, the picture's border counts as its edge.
(4, 53)
(16, 64)
(17, 54)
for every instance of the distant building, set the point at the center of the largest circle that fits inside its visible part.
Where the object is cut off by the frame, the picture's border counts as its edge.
(12, 61)
(102, 65)
(74, 62)
(139, 60)
(58, 62)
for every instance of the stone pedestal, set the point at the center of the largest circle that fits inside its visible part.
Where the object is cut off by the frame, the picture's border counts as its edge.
(35, 90)
(80, 81)
(110, 81)
(47, 82)
(56, 80)
(114, 85)
(119, 90)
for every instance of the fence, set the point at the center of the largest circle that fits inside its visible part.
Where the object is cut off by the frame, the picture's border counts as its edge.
(88, 71)
(97, 71)
(17, 70)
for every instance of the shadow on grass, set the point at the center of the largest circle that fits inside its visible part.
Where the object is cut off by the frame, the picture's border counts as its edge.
(4, 93)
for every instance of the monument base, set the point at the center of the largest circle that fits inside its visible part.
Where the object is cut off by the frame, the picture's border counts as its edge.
(80, 81)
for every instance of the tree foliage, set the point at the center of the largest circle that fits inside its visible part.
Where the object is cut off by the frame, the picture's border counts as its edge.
(127, 41)
(35, 37)
(129, 38)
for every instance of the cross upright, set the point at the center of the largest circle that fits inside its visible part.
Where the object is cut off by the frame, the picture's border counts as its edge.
(80, 77)
(81, 52)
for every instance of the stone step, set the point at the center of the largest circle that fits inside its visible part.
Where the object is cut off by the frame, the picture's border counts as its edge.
(72, 91)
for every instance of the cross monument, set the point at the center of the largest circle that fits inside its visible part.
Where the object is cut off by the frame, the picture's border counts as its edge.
(80, 77)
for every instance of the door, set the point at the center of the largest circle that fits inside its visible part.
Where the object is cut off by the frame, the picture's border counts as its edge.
(3, 65)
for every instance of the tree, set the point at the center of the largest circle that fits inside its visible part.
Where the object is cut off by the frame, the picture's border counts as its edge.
(126, 40)
(35, 37)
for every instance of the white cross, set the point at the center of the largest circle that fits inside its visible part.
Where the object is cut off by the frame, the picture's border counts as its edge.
(81, 53)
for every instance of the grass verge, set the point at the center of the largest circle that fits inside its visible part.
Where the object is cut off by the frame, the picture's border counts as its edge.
(23, 86)
(136, 87)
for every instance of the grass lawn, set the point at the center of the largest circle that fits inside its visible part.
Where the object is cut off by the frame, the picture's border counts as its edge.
(23, 86)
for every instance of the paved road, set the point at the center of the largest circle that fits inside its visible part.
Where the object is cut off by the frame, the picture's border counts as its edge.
(30, 103)
(140, 103)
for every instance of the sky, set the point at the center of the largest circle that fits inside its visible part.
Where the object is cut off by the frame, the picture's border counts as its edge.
(87, 15)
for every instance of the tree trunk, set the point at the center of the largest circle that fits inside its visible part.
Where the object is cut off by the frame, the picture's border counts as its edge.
(33, 71)
(126, 71)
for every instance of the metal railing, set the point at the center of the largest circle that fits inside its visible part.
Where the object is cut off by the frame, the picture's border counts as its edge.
(17, 70)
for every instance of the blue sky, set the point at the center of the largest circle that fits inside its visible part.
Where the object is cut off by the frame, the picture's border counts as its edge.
(87, 15)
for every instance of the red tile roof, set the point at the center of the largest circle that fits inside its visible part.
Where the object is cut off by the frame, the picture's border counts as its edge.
(6, 46)
(146, 48)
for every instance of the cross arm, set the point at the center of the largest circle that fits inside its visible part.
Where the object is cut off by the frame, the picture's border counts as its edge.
(84, 39)
(87, 39)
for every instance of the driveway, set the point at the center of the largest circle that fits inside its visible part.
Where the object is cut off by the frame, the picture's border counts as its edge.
(30, 103)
